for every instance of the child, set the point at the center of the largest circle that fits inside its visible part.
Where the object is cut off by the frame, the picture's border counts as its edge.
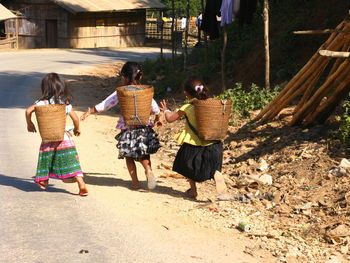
(57, 159)
(135, 143)
(197, 159)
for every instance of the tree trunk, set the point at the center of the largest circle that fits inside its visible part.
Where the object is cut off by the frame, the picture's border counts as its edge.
(267, 44)
(223, 57)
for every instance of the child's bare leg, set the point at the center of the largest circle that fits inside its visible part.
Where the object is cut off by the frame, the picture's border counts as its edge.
(221, 187)
(82, 187)
(220, 183)
(130, 163)
(192, 192)
(151, 180)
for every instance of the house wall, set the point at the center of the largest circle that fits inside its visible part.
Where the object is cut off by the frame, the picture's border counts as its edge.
(82, 30)
(112, 29)
(32, 28)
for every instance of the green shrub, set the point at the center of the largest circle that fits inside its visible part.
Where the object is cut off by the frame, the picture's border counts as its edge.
(344, 130)
(244, 101)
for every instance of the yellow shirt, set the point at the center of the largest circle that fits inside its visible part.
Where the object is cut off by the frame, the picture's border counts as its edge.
(187, 135)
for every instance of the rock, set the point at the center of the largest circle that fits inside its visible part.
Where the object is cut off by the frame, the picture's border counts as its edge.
(344, 163)
(342, 169)
(340, 231)
(262, 165)
(266, 179)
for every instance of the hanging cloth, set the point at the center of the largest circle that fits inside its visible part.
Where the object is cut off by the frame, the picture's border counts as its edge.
(226, 12)
(209, 22)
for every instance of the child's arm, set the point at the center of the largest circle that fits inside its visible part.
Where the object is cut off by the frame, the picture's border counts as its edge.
(170, 116)
(87, 113)
(156, 111)
(30, 124)
(75, 120)
(105, 105)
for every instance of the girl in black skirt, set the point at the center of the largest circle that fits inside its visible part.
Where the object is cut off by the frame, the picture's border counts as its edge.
(197, 159)
(135, 143)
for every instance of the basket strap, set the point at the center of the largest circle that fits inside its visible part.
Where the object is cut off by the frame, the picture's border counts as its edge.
(136, 116)
(191, 126)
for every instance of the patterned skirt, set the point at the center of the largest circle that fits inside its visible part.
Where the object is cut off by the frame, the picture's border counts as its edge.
(137, 143)
(58, 160)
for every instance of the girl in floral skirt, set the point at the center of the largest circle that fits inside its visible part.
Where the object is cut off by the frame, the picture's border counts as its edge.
(57, 159)
(135, 143)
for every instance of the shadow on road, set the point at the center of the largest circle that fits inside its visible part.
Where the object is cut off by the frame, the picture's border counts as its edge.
(26, 185)
(112, 181)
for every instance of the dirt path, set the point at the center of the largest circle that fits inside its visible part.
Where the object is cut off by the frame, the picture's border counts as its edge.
(165, 210)
(281, 232)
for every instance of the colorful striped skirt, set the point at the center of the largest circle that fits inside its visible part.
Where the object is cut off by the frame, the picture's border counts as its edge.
(58, 160)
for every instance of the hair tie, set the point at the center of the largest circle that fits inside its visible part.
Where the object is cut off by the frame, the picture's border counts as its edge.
(199, 89)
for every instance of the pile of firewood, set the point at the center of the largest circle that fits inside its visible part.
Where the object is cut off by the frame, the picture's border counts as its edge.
(317, 100)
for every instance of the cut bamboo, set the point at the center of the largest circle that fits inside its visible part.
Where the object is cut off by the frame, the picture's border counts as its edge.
(326, 109)
(292, 94)
(316, 99)
(344, 89)
(310, 86)
(299, 75)
(334, 54)
(338, 61)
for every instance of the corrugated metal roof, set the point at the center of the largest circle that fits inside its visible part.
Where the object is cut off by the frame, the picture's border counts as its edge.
(77, 6)
(5, 13)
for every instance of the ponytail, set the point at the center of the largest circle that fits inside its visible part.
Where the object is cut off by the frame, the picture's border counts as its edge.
(195, 87)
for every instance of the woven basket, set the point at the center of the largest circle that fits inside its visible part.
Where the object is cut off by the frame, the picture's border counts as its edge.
(51, 121)
(212, 116)
(135, 103)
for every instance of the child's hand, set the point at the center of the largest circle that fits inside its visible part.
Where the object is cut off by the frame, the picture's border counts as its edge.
(31, 127)
(163, 105)
(76, 132)
(85, 115)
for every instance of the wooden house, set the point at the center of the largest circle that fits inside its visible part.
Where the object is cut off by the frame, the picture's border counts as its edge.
(77, 23)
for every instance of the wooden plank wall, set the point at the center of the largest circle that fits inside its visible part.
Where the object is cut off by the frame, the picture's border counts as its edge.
(32, 28)
(119, 29)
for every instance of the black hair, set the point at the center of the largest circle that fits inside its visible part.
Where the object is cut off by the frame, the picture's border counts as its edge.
(53, 86)
(196, 87)
(132, 71)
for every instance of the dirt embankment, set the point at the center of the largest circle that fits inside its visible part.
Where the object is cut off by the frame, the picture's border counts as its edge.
(285, 180)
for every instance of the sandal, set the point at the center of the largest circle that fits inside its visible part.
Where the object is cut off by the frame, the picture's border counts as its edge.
(83, 192)
(151, 181)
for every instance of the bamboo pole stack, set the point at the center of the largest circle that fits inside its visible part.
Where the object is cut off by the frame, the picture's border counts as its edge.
(317, 100)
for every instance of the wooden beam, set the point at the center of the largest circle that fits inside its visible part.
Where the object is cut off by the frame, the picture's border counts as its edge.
(334, 54)
(316, 32)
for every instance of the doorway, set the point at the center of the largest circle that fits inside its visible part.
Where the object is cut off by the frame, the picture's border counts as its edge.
(51, 33)
(2, 30)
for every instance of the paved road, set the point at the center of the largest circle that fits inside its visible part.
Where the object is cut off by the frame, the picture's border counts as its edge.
(55, 225)
(52, 226)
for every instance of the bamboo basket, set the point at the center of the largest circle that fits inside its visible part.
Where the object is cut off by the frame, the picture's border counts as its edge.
(51, 121)
(212, 116)
(135, 103)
